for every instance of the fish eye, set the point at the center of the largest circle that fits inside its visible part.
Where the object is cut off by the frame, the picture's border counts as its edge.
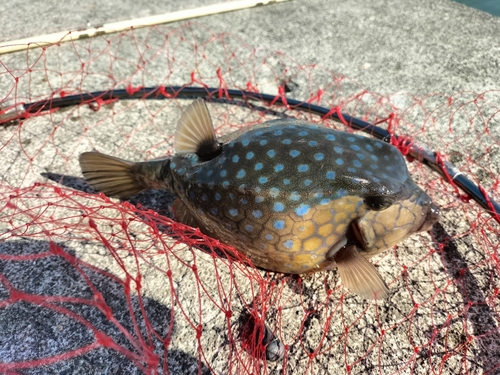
(378, 202)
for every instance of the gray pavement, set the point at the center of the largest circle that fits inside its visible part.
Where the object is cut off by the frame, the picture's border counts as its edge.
(387, 47)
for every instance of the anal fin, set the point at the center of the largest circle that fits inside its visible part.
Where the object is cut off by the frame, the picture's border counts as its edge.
(359, 275)
(184, 215)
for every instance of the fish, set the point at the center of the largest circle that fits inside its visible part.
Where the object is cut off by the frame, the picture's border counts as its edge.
(293, 196)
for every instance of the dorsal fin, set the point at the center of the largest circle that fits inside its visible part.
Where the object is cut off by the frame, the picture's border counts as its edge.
(195, 132)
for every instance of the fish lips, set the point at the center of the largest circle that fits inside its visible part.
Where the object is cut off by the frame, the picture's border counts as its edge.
(431, 218)
(431, 213)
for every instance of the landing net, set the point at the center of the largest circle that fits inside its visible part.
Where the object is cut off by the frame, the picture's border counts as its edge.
(95, 284)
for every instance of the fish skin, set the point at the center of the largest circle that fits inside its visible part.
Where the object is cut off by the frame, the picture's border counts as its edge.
(293, 196)
(286, 193)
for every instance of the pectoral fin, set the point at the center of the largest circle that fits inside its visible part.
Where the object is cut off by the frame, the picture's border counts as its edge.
(359, 275)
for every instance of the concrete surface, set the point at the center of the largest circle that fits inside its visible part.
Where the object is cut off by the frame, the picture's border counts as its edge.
(386, 46)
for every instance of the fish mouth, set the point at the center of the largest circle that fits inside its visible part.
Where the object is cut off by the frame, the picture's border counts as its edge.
(431, 218)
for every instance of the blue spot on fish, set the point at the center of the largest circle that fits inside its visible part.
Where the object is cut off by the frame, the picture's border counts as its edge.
(236, 158)
(286, 181)
(330, 175)
(319, 156)
(274, 192)
(278, 132)
(233, 212)
(318, 194)
(209, 173)
(172, 165)
(357, 163)
(217, 196)
(269, 237)
(325, 201)
(250, 155)
(278, 167)
(360, 156)
(338, 149)
(241, 173)
(263, 142)
(259, 199)
(312, 143)
(294, 196)
(302, 209)
(246, 142)
(249, 228)
(278, 207)
(355, 147)
(303, 133)
(258, 166)
(341, 193)
(257, 214)
(330, 137)
(339, 161)
(271, 153)
(214, 210)
(286, 141)
(378, 144)
(307, 182)
(225, 184)
(223, 173)
(373, 166)
(294, 153)
(351, 139)
(288, 244)
(279, 224)
(369, 147)
(180, 170)
(303, 168)
(262, 179)
(352, 170)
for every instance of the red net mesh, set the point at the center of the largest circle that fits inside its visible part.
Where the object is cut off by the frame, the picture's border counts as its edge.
(88, 282)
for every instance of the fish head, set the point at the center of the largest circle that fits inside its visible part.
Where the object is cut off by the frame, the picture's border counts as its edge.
(381, 206)
(386, 222)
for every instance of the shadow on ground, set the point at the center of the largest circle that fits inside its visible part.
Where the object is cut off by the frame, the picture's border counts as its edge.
(47, 310)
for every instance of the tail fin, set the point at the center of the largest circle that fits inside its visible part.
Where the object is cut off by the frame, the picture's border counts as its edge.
(113, 176)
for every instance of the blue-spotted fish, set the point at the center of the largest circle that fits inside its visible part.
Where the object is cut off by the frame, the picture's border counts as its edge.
(293, 196)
